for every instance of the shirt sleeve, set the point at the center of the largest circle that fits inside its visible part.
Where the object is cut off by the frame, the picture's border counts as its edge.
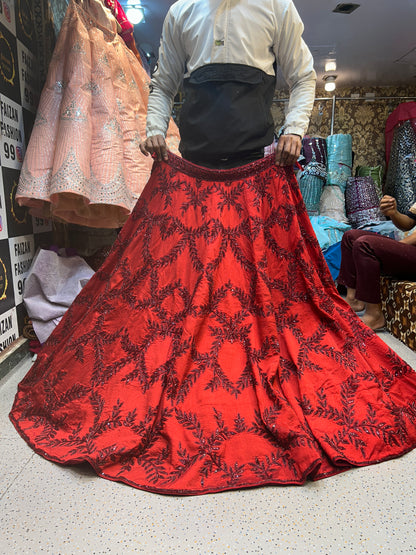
(412, 212)
(295, 60)
(166, 78)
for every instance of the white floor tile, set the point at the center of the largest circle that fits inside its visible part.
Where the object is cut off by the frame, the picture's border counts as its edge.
(47, 508)
(8, 389)
(14, 452)
(53, 509)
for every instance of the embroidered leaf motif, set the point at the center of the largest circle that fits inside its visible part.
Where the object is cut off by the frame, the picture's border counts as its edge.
(211, 349)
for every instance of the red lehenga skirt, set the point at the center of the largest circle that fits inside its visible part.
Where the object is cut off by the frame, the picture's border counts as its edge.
(83, 163)
(211, 351)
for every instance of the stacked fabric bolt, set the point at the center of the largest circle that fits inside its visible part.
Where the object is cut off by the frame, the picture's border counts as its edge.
(375, 172)
(339, 159)
(314, 149)
(362, 202)
(313, 177)
(332, 203)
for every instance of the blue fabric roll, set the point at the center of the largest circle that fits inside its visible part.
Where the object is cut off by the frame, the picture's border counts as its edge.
(311, 188)
(339, 149)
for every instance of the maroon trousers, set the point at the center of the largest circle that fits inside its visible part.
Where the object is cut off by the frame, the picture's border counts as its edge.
(367, 255)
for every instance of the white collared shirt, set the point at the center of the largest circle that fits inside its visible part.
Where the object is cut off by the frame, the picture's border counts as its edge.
(255, 33)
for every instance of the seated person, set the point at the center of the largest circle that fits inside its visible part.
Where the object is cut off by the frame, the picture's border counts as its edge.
(366, 255)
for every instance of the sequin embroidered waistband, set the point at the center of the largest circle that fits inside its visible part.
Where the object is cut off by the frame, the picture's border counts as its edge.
(232, 174)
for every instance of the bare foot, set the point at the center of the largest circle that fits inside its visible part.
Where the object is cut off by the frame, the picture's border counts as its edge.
(374, 322)
(355, 304)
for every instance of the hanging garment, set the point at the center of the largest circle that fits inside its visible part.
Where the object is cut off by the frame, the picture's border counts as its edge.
(406, 111)
(211, 351)
(401, 171)
(126, 29)
(83, 164)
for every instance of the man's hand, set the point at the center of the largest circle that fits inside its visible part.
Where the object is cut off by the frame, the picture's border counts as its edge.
(288, 150)
(388, 206)
(155, 145)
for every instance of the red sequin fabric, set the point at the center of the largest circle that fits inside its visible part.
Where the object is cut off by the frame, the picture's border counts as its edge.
(211, 351)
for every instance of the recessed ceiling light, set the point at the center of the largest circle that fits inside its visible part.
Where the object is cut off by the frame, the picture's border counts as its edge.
(134, 13)
(331, 65)
(330, 82)
(346, 8)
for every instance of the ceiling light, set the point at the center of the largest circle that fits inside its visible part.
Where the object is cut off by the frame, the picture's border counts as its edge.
(134, 13)
(330, 66)
(330, 83)
(346, 8)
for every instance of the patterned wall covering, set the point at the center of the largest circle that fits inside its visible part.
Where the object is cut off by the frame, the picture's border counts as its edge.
(363, 119)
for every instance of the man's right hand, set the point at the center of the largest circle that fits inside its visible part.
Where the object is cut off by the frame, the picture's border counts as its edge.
(388, 206)
(155, 145)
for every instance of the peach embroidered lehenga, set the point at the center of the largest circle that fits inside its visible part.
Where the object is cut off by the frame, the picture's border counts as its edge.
(83, 164)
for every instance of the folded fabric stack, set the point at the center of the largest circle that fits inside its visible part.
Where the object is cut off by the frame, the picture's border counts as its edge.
(325, 203)
(314, 149)
(362, 202)
(332, 204)
(313, 177)
(376, 173)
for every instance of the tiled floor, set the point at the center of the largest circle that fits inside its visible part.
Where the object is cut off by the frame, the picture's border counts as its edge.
(46, 508)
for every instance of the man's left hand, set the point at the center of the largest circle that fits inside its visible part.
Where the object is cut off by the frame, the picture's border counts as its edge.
(288, 150)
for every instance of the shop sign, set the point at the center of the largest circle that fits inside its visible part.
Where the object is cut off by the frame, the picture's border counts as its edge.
(12, 134)
(9, 71)
(25, 22)
(29, 88)
(9, 329)
(6, 280)
(22, 251)
(41, 225)
(19, 221)
(7, 15)
(3, 211)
